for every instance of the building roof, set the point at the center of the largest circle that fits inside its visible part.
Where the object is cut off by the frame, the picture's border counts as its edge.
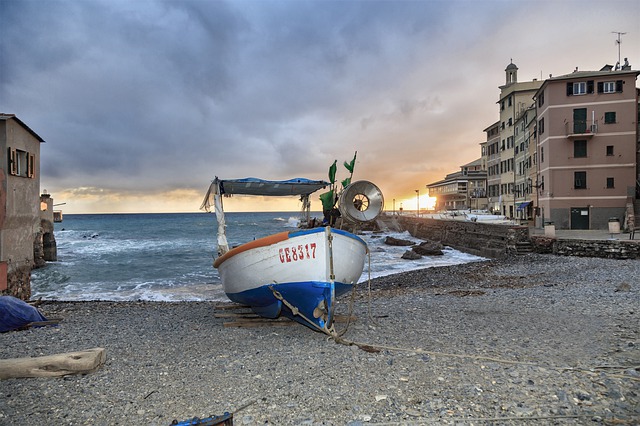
(473, 163)
(497, 123)
(586, 74)
(460, 177)
(6, 117)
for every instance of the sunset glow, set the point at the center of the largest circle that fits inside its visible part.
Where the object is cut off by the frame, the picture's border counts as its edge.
(277, 90)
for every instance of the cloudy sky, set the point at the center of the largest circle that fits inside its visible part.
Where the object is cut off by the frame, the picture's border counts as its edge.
(141, 103)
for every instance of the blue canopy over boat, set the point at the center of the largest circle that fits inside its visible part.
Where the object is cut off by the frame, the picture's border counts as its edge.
(254, 186)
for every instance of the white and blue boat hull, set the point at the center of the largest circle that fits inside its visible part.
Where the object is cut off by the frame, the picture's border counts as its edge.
(295, 274)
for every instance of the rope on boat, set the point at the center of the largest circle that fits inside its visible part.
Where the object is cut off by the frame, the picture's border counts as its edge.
(293, 309)
(329, 328)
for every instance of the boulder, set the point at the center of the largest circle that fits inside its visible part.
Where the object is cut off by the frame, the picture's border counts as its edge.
(429, 248)
(391, 241)
(411, 255)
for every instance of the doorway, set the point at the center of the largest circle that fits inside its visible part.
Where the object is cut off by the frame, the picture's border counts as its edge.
(579, 217)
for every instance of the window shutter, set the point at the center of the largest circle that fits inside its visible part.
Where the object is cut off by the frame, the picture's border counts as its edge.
(569, 89)
(31, 166)
(600, 87)
(619, 85)
(13, 165)
(589, 86)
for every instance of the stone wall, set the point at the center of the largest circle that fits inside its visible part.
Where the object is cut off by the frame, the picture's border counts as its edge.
(614, 249)
(18, 281)
(482, 239)
(498, 241)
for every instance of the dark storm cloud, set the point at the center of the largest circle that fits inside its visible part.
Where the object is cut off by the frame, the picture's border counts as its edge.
(130, 89)
(159, 95)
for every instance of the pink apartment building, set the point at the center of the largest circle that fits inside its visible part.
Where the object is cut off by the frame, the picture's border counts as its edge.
(588, 148)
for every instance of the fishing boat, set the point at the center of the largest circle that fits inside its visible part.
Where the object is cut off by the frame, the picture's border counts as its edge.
(300, 273)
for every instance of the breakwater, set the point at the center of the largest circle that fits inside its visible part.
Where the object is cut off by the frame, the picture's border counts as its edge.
(481, 239)
(500, 240)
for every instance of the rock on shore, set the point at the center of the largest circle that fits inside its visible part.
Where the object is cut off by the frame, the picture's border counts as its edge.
(538, 337)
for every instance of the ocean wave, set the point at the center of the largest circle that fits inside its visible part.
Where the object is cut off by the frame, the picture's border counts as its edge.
(169, 258)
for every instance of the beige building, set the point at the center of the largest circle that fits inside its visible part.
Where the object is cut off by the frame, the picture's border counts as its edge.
(524, 166)
(491, 156)
(462, 190)
(516, 98)
(587, 147)
(19, 204)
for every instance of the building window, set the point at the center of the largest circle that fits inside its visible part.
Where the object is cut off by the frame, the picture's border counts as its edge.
(542, 154)
(541, 126)
(610, 117)
(579, 88)
(580, 180)
(21, 163)
(580, 148)
(610, 182)
(609, 150)
(541, 99)
(610, 86)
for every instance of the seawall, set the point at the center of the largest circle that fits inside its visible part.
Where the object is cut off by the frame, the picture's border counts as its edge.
(499, 241)
(482, 239)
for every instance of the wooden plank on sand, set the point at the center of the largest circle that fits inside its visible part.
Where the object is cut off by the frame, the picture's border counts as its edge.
(56, 365)
(227, 306)
(255, 321)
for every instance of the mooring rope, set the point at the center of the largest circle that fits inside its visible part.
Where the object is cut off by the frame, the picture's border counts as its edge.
(337, 337)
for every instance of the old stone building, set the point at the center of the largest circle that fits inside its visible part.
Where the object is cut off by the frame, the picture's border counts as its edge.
(21, 214)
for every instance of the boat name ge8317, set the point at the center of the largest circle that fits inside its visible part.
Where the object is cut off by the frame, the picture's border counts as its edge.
(293, 254)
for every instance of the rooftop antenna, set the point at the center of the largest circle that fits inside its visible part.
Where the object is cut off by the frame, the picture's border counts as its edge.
(618, 42)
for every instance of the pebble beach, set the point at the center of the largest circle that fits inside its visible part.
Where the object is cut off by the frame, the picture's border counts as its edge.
(535, 339)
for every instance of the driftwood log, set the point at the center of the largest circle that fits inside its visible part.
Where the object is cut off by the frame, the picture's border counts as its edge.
(56, 365)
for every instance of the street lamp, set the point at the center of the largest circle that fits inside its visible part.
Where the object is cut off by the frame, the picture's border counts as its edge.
(418, 202)
(537, 210)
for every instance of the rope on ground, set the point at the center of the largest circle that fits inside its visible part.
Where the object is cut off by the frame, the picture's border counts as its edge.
(369, 298)
(493, 419)
(353, 298)
(332, 334)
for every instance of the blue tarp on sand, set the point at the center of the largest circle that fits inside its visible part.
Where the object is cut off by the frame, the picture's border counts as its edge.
(14, 314)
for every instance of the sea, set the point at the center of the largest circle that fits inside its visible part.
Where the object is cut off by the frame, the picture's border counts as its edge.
(169, 257)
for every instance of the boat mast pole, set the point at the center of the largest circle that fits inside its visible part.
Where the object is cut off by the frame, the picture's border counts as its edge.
(306, 209)
(223, 245)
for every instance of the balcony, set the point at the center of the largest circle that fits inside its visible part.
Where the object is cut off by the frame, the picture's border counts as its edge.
(581, 129)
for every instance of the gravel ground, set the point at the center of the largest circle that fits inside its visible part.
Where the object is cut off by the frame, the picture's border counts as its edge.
(536, 339)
